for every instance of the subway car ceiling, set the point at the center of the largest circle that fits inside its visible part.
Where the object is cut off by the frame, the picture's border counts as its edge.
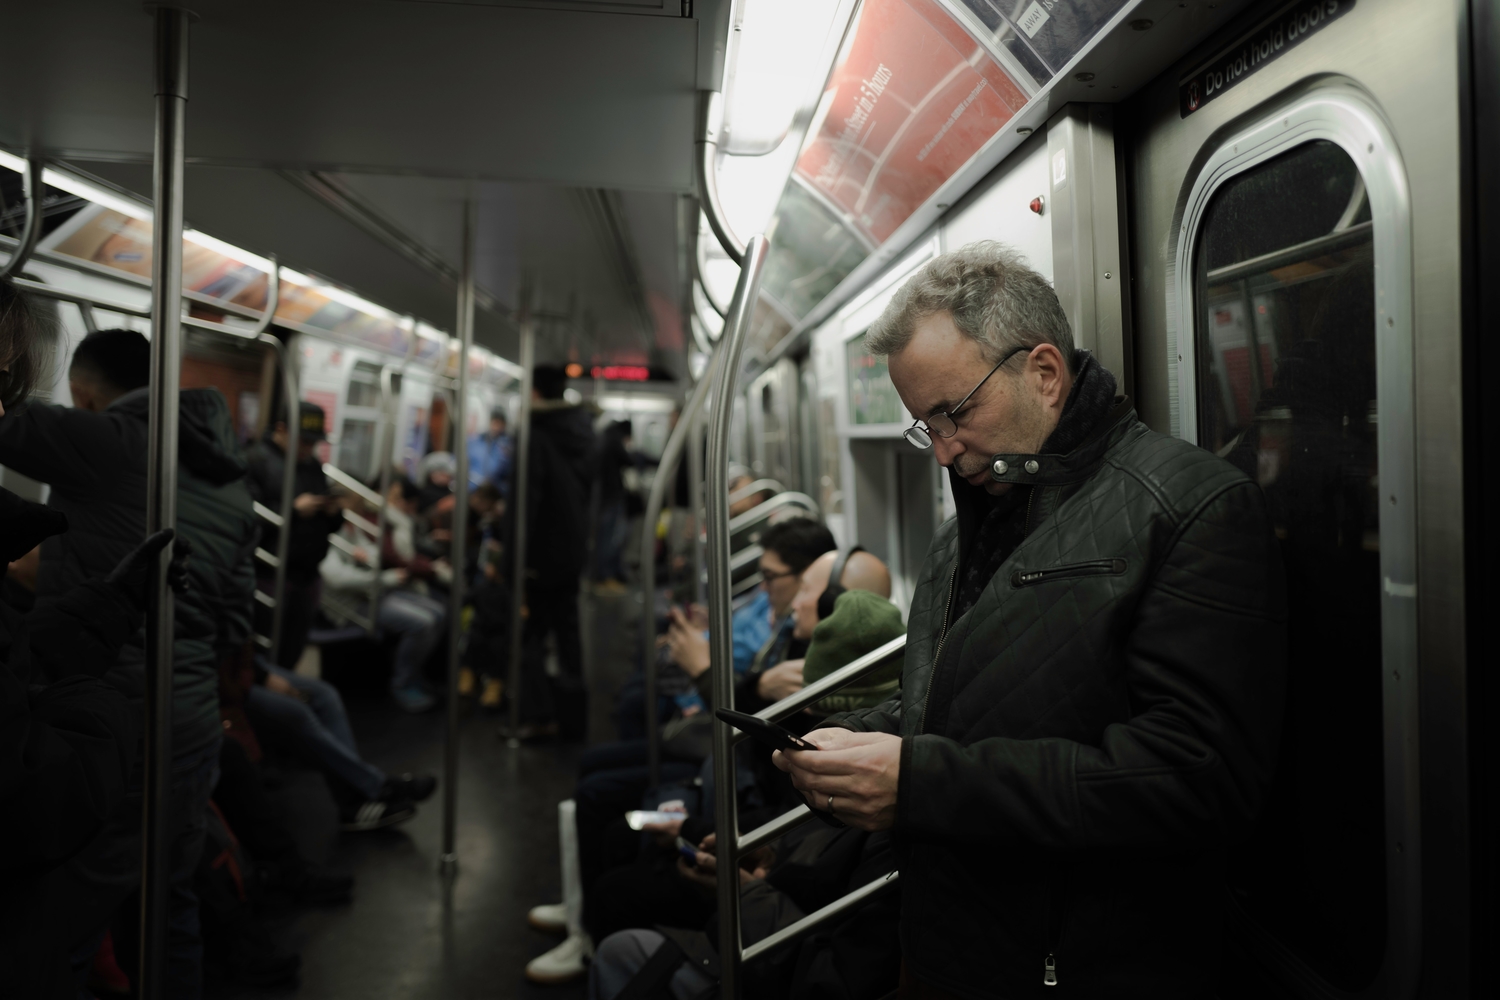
(344, 136)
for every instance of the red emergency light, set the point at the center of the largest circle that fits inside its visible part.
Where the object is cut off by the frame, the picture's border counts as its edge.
(622, 373)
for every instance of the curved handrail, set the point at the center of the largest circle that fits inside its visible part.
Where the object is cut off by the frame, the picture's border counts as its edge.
(708, 181)
(31, 187)
(764, 509)
(666, 471)
(849, 673)
(759, 486)
(720, 638)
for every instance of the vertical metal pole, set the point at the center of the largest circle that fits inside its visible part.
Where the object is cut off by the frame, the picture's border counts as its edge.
(385, 439)
(161, 482)
(720, 637)
(287, 356)
(520, 472)
(460, 530)
(666, 474)
(695, 503)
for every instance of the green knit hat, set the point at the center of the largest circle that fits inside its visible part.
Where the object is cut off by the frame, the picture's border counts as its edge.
(861, 622)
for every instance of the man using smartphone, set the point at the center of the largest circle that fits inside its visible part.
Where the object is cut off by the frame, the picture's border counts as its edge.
(1092, 691)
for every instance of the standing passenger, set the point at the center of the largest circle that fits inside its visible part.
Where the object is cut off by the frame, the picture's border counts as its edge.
(560, 474)
(94, 456)
(315, 515)
(614, 518)
(1093, 685)
(489, 454)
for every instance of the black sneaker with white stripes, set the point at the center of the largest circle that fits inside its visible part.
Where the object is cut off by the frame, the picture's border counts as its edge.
(376, 815)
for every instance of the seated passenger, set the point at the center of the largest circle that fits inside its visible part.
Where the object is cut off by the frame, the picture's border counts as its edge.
(417, 619)
(305, 717)
(816, 866)
(603, 796)
(1092, 692)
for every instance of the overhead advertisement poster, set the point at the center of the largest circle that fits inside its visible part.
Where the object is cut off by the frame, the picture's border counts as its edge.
(1042, 35)
(910, 100)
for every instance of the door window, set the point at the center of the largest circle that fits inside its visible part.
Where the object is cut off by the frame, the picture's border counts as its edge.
(1286, 389)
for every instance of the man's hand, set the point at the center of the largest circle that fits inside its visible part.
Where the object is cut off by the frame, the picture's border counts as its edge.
(689, 647)
(665, 834)
(705, 871)
(860, 771)
(131, 574)
(780, 681)
(308, 504)
(278, 684)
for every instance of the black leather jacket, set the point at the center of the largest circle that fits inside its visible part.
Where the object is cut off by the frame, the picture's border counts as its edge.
(1080, 745)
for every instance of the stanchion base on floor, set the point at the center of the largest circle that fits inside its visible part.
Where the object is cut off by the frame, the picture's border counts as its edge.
(448, 865)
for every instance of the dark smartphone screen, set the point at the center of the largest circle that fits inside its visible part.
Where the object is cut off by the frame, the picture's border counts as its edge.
(768, 733)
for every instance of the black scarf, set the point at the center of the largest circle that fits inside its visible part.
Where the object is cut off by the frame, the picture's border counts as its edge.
(1004, 526)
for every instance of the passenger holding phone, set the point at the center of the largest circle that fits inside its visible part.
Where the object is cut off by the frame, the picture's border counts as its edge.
(1092, 693)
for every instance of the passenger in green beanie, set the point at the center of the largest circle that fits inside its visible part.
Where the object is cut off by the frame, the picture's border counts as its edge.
(862, 621)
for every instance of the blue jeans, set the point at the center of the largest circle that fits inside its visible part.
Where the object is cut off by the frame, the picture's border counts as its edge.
(419, 620)
(316, 729)
(609, 543)
(93, 884)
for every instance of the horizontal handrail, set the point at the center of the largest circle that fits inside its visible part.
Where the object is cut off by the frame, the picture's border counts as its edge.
(348, 613)
(765, 509)
(843, 676)
(265, 598)
(364, 524)
(816, 919)
(78, 298)
(267, 514)
(744, 557)
(353, 485)
(759, 486)
(767, 832)
(746, 585)
(350, 549)
(269, 558)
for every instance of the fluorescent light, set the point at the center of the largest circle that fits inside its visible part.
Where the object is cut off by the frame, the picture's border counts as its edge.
(97, 195)
(636, 404)
(11, 161)
(229, 250)
(779, 62)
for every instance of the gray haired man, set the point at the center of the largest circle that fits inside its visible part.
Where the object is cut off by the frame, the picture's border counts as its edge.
(1092, 693)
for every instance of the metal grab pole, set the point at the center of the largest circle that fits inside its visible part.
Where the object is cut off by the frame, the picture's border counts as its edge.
(720, 639)
(666, 474)
(161, 483)
(385, 440)
(695, 503)
(458, 552)
(286, 356)
(520, 470)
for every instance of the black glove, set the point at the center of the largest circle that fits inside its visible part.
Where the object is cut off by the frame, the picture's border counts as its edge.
(130, 576)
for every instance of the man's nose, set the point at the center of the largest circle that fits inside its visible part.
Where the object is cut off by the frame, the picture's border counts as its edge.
(946, 449)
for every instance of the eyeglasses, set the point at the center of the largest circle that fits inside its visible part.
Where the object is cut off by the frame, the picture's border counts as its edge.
(771, 576)
(944, 423)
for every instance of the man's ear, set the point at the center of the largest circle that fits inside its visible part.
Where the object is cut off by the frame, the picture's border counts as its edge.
(1051, 372)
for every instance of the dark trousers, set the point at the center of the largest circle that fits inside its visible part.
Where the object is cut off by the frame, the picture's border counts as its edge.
(553, 611)
(83, 894)
(613, 779)
(302, 598)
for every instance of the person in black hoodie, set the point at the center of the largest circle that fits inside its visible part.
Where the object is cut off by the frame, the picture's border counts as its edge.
(68, 741)
(315, 516)
(560, 475)
(93, 455)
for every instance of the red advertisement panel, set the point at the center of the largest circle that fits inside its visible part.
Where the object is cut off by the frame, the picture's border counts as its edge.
(912, 98)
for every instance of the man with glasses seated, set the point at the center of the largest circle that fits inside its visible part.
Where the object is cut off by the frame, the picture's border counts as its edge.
(1093, 685)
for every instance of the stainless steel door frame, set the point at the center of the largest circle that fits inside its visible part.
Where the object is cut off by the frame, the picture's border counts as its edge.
(1345, 116)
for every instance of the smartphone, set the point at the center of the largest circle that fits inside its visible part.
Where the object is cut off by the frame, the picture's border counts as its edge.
(688, 851)
(638, 818)
(768, 733)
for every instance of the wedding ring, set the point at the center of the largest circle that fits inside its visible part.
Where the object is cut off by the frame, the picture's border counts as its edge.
(830, 803)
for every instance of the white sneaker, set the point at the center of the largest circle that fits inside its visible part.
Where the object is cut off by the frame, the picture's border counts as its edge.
(564, 963)
(550, 917)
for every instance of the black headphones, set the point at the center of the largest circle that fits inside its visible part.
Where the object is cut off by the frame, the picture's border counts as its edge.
(835, 588)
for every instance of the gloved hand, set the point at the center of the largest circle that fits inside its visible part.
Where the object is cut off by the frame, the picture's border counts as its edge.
(131, 575)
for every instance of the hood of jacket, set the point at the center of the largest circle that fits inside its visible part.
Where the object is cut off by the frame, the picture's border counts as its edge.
(569, 431)
(206, 443)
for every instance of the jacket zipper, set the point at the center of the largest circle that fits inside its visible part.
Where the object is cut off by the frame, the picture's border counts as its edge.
(1093, 567)
(942, 637)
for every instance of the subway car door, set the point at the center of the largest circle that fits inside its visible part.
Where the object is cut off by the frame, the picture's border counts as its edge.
(1287, 250)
